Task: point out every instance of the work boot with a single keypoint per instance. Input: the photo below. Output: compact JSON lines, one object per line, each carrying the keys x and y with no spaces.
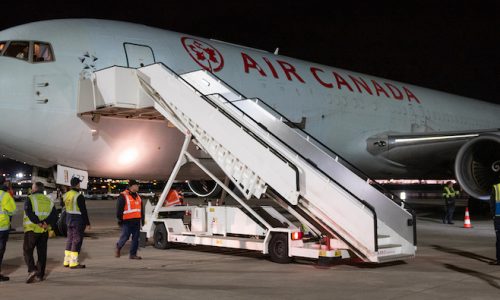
{"x":4,"y":278}
{"x":31,"y":277}
{"x":67,"y":258}
{"x":117,"y":252}
{"x":135,"y":257}
{"x":78,"y":266}
{"x":73,"y":263}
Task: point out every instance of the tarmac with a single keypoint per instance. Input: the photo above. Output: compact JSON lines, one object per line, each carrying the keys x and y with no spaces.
{"x":451,"y":262}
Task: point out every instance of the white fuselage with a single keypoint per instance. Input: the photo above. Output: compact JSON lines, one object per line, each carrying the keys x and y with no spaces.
{"x":341,"y":108}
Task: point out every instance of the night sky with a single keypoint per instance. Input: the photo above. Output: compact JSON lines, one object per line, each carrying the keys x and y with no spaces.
{"x":446,"y":45}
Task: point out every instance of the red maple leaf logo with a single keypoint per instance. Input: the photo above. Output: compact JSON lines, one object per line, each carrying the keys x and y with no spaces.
{"x":203,"y":54}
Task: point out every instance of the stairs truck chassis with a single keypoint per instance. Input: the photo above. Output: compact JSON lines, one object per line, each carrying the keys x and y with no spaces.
{"x":229,"y":226}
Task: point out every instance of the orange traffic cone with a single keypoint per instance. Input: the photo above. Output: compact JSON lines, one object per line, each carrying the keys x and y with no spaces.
{"x":467,"y":223}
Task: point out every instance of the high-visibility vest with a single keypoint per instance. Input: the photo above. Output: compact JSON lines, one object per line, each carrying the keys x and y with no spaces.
{"x":71,"y":203}
{"x":450,"y":192}
{"x":7,"y":209}
{"x":496,"y":188}
{"x":133,"y":207}
{"x":42,"y":207}
{"x":173,"y":199}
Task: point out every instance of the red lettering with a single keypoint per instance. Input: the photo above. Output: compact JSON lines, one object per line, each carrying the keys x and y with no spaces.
{"x":271,"y":67}
{"x":379,"y":88}
{"x":248,"y":63}
{"x":289,"y":70}
{"x":360,"y":82}
{"x":314,"y":71}
{"x":393,"y":89}
{"x":341,"y":81}
{"x":410,"y":95}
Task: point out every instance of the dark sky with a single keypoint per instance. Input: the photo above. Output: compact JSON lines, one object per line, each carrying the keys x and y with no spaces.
{"x":448,"y":45}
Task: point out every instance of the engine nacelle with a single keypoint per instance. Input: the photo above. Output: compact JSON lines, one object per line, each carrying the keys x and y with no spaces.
{"x":477,"y":165}
{"x":204,"y":188}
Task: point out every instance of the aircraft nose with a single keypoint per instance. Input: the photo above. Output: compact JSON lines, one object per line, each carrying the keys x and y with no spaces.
{"x":15,"y":87}
{"x":3,"y":81}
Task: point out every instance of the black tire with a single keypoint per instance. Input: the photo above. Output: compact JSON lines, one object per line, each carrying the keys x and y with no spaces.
{"x":62,"y":229}
{"x":160,"y":237}
{"x":278,"y":248}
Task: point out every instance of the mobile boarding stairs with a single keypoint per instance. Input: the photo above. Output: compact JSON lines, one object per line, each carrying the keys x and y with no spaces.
{"x":263,"y":155}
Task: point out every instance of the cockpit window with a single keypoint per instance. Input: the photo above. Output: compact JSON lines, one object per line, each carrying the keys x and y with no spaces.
{"x":30,"y":51}
{"x":18,"y":50}
{"x":42,"y":52}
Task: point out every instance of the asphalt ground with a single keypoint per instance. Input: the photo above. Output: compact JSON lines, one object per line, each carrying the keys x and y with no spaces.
{"x":451,"y":262}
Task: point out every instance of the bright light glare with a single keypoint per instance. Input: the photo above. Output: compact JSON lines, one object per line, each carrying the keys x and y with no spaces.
{"x":128,"y":156}
{"x":402,"y":196}
{"x":19,"y":175}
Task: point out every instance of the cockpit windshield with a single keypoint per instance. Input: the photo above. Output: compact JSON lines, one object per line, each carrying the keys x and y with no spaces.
{"x":42,"y":52}
{"x":18,"y":50}
{"x":30,"y":51}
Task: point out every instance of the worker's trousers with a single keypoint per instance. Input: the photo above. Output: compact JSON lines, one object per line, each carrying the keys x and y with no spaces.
{"x":496,"y":222}
{"x":133,"y":228}
{"x":449,"y":210}
{"x":75,"y":236}
{"x":4,"y":237}
{"x":38,"y":240}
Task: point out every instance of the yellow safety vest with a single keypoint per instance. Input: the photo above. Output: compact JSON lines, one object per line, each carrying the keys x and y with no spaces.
{"x":42,"y":207}
{"x":450,"y":192}
{"x":7,"y":209}
{"x":496,"y":188}
{"x":70,"y":202}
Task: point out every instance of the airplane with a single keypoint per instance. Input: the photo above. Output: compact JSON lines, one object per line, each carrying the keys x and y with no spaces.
{"x":386,"y":128}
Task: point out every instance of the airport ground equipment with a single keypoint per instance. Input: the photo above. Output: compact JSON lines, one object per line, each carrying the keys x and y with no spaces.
{"x":264,"y":155}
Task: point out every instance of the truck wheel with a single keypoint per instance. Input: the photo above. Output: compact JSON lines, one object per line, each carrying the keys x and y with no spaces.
{"x":278,"y":248}
{"x":160,"y":237}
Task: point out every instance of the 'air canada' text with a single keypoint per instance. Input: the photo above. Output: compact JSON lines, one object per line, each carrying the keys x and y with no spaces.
{"x":330,"y":79}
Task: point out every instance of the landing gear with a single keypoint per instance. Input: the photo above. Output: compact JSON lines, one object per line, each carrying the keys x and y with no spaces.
{"x":61,"y":227}
{"x":205,"y":188}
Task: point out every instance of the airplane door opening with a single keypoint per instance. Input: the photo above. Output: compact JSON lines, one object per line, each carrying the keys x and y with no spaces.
{"x":138,"y":55}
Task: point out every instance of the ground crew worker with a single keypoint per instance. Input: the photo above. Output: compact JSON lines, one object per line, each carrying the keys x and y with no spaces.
{"x":495,"y":210}
{"x":449,"y":195}
{"x":174,"y":198}
{"x":39,"y":215}
{"x":130,"y":213}
{"x":77,"y":220}
{"x":7,"y":210}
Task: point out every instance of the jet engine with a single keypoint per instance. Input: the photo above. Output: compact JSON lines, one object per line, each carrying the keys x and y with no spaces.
{"x":477,"y":165}
{"x":204,"y":188}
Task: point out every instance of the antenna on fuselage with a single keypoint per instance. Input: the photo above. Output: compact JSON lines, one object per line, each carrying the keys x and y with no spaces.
{"x":276,"y":51}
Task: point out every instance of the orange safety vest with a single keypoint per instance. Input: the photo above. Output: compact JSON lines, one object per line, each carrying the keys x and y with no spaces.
{"x":133,"y":207}
{"x":173,"y":199}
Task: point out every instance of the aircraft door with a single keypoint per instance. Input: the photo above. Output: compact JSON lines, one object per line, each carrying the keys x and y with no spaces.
{"x":138,"y":55}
